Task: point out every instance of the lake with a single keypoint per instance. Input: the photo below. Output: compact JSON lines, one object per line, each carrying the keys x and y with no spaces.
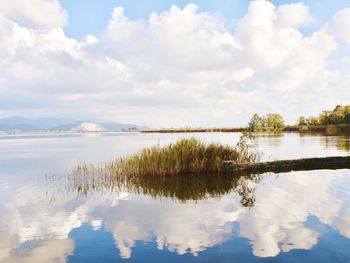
{"x":287,"y":217}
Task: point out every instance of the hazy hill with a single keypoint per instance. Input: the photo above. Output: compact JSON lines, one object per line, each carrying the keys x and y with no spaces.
{"x":25,"y":124}
{"x":60,"y":124}
{"x":88,"y":127}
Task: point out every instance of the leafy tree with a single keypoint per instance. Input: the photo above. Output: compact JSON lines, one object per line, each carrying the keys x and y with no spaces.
{"x":339,"y":115}
{"x":256,"y":123}
{"x":347,"y":118}
{"x":302,"y":121}
{"x":314,"y":121}
{"x":274,"y":122}
{"x":270,"y":122}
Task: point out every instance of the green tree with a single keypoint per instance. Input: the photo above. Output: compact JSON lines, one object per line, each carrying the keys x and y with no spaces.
{"x":302,"y":121}
{"x":339,"y":115}
{"x":347,"y":118}
{"x":274,"y":122}
{"x":270,"y":122}
{"x":314,"y":121}
{"x":256,"y":123}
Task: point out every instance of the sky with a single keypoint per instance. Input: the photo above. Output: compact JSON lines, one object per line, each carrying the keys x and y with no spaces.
{"x":167,"y":63}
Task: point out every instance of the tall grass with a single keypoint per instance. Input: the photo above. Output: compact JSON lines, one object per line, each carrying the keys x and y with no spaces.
{"x":186,"y":156}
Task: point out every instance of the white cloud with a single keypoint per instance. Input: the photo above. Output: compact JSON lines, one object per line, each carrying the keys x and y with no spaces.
{"x":35,"y":13}
{"x":181,"y":67}
{"x":341,"y":25}
{"x":294,"y":15}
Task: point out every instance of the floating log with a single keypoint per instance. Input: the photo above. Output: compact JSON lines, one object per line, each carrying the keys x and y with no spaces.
{"x":304,"y":164}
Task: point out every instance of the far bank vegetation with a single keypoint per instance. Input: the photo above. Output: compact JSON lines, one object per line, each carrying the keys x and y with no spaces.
{"x":336,"y":120}
{"x":268,"y":122}
{"x":339,"y":115}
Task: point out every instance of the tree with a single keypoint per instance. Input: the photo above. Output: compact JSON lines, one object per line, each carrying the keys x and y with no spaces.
{"x":274,"y":122}
{"x":302,"y":121}
{"x":270,"y":122}
{"x":347,"y":118}
{"x":314,"y":121}
{"x":339,"y":115}
{"x":256,"y":123}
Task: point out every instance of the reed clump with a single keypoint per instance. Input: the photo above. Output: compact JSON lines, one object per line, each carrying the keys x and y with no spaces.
{"x":183,"y":157}
{"x":186,"y":156}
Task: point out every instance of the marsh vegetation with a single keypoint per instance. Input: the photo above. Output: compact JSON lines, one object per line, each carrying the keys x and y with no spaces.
{"x":186,"y":156}
{"x":340,"y":115}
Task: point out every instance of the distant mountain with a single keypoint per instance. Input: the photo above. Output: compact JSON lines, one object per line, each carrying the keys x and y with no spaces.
{"x":24,"y":124}
{"x":59,"y":124}
{"x":66,"y":126}
{"x":88,"y":127}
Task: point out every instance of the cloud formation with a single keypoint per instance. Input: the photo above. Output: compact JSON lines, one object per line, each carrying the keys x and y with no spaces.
{"x":341,"y":25}
{"x":181,"y":67}
{"x":36,"y":13}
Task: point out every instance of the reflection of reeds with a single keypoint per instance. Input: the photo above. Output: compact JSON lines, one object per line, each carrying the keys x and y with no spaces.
{"x":183,"y":188}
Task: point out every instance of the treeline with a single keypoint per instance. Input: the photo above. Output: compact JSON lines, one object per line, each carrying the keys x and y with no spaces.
{"x":340,"y":115}
{"x":274,"y":122}
{"x":268,"y":122}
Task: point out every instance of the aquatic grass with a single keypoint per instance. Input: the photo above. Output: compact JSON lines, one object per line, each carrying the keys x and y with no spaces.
{"x":186,"y":156}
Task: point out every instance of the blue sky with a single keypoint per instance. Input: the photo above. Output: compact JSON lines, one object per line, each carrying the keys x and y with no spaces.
{"x":91,"y":16}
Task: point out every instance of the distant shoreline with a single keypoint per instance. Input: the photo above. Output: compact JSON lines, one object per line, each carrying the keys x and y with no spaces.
{"x":193,"y":130}
{"x":184,"y":130}
{"x":328,"y":129}
{"x":62,"y":133}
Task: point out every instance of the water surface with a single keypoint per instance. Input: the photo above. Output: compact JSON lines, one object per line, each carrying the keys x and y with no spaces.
{"x":290,"y":217}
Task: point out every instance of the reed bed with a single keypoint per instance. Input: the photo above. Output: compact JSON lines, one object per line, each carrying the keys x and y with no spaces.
{"x":186,"y":156}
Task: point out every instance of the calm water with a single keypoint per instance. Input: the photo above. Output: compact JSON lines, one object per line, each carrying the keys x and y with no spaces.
{"x":291,"y":217}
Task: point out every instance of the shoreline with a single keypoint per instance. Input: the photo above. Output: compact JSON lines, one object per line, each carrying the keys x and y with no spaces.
{"x":328,"y":129}
{"x":324,"y":129}
{"x":189,"y":130}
